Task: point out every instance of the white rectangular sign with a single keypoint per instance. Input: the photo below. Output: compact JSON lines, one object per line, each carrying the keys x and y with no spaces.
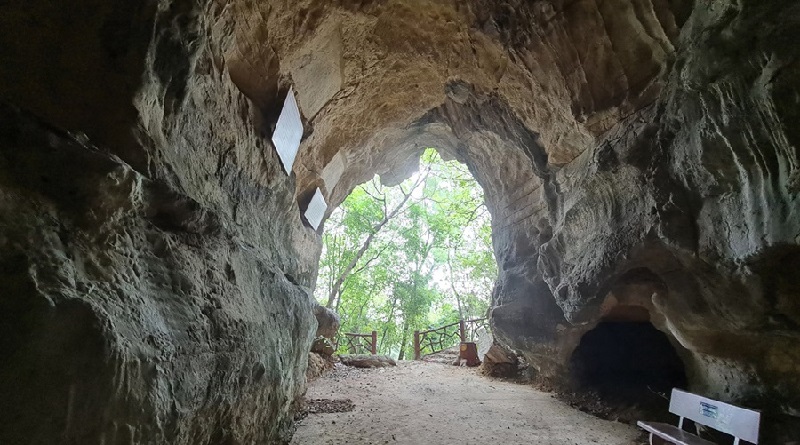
{"x":316,"y":209}
{"x":288,"y":132}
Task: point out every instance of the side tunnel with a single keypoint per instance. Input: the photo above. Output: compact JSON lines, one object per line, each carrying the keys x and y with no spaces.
{"x":626,"y":359}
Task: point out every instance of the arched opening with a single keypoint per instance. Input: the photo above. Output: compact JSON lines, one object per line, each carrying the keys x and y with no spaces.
{"x":414,"y":256}
{"x":625,"y":359}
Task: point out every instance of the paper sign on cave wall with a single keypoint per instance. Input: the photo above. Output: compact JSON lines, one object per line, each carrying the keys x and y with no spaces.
{"x":316,"y":209}
{"x":288,"y":132}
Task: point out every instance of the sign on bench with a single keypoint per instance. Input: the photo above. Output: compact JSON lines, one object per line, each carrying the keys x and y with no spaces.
{"x":741,"y":423}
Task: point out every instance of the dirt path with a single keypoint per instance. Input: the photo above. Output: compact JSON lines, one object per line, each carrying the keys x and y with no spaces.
{"x":429,"y":403}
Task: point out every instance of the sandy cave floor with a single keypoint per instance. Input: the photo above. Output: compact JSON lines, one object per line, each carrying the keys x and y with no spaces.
{"x":432,"y":403}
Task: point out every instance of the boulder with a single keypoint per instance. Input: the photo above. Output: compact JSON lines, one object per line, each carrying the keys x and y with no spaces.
{"x":322,"y":346}
{"x":485,"y":341}
{"x":367,"y":361}
{"x":499,"y":361}
{"x":327,"y":322}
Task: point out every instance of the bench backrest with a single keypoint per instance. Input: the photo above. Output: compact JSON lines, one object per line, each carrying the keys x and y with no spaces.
{"x":739,"y":422}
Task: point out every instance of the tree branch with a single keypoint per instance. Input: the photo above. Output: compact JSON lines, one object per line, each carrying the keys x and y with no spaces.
{"x":363,"y":249}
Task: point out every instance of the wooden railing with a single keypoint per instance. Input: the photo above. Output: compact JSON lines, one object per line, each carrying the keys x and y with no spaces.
{"x":472,"y":328}
{"x":441,"y":338}
{"x":359,"y":343}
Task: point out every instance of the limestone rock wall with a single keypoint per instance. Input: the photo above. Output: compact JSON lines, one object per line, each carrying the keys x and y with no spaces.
{"x":689,"y":208}
{"x":156,"y":275}
{"x":633,"y":153}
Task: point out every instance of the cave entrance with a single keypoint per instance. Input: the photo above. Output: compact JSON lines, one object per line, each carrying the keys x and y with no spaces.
{"x":408,"y":257}
{"x":627,"y":361}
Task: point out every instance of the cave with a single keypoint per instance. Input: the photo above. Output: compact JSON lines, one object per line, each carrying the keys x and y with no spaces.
{"x":156,"y":269}
{"x":627,"y":361}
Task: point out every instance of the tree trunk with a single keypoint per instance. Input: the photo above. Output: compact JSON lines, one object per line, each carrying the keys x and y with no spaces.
{"x":403,"y":341}
{"x":453,"y":287}
{"x":389,"y":319}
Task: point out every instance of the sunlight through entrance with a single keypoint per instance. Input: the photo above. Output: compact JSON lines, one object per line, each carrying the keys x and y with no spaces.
{"x":412,"y":257}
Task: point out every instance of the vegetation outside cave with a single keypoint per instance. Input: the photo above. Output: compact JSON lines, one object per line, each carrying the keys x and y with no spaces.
{"x":411,"y":257}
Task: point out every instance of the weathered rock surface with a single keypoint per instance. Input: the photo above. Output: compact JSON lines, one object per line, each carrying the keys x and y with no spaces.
{"x":318,"y":364}
{"x":156,"y":273}
{"x":322,"y":346}
{"x":149,"y":294}
{"x":498,"y":361}
{"x":327,"y":322}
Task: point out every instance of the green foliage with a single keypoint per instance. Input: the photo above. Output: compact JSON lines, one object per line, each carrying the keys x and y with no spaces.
{"x":428,"y":261}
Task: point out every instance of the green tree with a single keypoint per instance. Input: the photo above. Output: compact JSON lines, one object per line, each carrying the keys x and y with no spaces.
{"x":410,"y":257}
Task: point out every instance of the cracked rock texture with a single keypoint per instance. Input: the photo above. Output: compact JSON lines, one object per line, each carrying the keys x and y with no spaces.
{"x":156,"y":274}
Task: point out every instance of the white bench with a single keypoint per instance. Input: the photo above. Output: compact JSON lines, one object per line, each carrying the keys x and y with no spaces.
{"x":741,"y":423}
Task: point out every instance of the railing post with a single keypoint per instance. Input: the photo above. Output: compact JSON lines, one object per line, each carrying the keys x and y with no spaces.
{"x":374,"y":342}
{"x":416,"y":345}
{"x":462,"y":330}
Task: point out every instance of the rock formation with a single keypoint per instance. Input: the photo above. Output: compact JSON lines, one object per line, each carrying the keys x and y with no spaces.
{"x":498,"y":361}
{"x":367,"y":360}
{"x":318,"y":364}
{"x":156,"y":274}
{"x":327,"y":322}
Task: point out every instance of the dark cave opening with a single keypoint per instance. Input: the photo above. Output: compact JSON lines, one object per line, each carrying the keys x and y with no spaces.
{"x":627,"y":362}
